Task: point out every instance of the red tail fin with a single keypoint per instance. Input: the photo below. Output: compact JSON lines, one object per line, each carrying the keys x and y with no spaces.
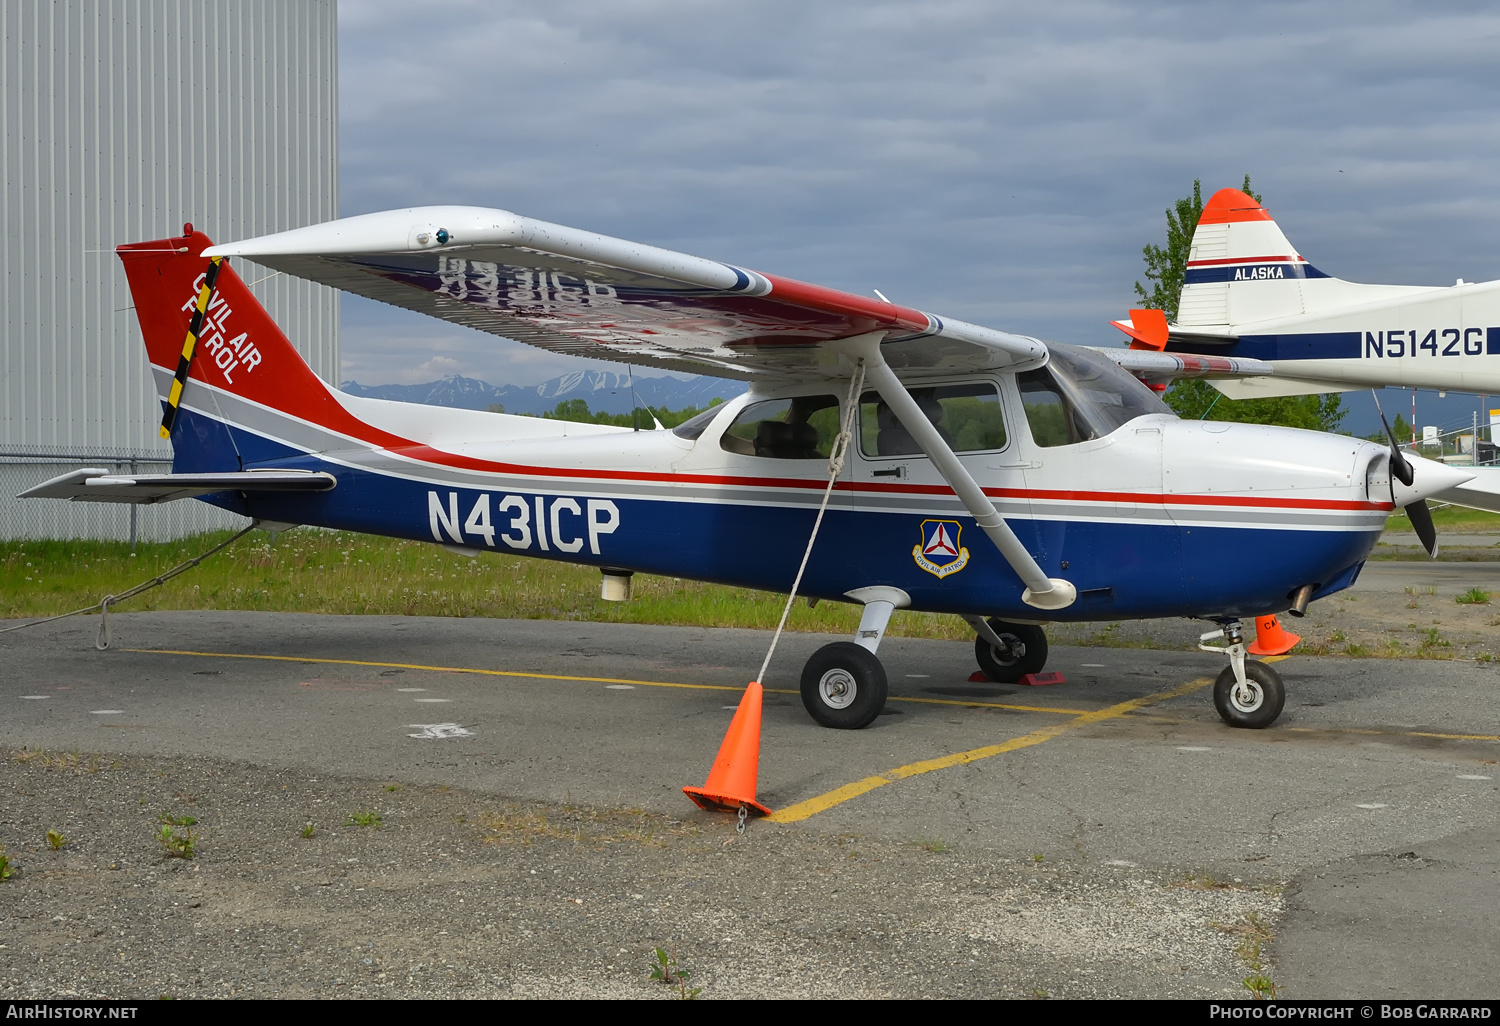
{"x":240,"y":349}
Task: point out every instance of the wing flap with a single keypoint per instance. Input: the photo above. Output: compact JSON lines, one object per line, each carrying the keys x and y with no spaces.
{"x":94,"y":485}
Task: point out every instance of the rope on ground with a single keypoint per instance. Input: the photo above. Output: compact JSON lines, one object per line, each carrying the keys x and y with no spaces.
{"x":101,"y":641}
{"x":835,"y":467}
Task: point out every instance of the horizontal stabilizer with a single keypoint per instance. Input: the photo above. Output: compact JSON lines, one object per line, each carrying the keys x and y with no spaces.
{"x":1267,"y":388}
{"x":93,"y":485}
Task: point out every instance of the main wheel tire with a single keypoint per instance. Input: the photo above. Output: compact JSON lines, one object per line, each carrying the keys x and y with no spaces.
{"x":1027,"y":654}
{"x":1261,"y":707}
{"x":843,"y":686}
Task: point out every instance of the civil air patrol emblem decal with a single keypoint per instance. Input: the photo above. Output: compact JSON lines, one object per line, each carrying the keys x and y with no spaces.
{"x":940,"y":554}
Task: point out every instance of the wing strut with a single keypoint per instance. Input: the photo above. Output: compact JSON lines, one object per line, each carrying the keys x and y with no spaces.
{"x":1042,"y":591}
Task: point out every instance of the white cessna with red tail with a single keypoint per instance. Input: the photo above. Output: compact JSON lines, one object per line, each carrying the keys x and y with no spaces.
{"x":1004,"y":479}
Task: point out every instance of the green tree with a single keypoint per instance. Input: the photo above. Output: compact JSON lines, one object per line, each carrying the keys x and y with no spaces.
{"x":577,"y":411}
{"x":1192,"y":398}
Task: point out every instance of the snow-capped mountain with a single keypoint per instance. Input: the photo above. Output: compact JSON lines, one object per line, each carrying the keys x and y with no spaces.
{"x":604,"y":391}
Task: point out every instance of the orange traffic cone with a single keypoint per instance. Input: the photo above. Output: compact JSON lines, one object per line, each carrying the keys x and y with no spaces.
{"x":1271,"y":638}
{"x":731,"y":783}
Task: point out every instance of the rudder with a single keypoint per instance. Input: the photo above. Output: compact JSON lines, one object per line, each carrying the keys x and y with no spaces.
{"x":238,"y":349}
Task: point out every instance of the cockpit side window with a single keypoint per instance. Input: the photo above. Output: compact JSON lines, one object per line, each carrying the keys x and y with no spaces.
{"x":802,"y":428}
{"x":1081,"y":395}
{"x":1052,"y":419}
{"x":967,"y":416}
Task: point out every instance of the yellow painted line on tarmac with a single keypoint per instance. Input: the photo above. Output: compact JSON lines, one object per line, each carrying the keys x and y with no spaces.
{"x":1395,"y":733}
{"x":839,"y":795}
{"x":587,"y":680}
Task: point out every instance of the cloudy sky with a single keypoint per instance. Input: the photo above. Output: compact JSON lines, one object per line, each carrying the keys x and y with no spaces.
{"x":998,"y":162}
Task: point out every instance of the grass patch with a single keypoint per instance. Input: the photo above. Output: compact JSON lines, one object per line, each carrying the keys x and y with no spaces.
{"x":365,"y":818}
{"x":312,"y":571}
{"x":1450,"y":518}
{"x":1473,"y":597}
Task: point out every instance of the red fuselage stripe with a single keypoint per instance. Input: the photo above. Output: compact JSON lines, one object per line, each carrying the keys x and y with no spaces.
{"x":1245,"y":260}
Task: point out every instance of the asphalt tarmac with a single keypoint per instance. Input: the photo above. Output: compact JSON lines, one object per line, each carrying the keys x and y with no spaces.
{"x":1363,"y":825}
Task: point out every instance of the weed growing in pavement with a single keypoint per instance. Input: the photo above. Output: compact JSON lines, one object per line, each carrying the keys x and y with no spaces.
{"x":393,"y":787}
{"x":4,"y":864}
{"x":669,"y":972}
{"x":168,"y":819}
{"x":1203,"y":880}
{"x":1473,"y":597}
{"x":1038,"y":857}
{"x":1432,"y":639}
{"x":937,"y":847}
{"x":177,"y":845}
{"x":1253,"y":936}
{"x":308,"y":829}
{"x":364,"y":818}
{"x":55,"y":840}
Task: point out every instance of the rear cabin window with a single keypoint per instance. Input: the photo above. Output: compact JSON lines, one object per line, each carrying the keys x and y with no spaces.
{"x":967,"y":416}
{"x":697,"y":424}
{"x":786,"y":429}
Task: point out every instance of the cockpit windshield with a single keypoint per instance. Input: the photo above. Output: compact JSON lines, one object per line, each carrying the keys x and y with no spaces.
{"x":1082,"y":395}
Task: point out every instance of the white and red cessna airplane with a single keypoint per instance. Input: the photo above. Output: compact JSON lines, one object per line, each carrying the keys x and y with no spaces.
{"x":1007,"y":480}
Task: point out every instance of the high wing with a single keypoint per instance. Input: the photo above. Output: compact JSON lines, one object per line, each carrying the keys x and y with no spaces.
{"x":94,"y":485}
{"x":576,"y":292}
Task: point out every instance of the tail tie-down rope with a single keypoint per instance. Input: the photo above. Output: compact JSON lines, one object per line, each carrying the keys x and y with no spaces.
{"x":101,"y":641}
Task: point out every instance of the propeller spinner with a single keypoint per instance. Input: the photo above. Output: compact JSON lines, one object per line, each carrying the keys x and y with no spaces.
{"x":1402,"y":470}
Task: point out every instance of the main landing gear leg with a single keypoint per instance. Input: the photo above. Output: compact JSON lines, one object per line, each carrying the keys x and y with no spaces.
{"x":1248,"y":693}
{"x":1006,"y":652}
{"x":843,"y":684}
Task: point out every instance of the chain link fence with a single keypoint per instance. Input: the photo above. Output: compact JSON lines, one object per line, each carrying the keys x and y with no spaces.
{"x":28,"y":519}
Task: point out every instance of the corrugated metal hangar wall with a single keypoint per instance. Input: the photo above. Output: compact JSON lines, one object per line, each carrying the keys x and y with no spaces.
{"x":123,"y":119}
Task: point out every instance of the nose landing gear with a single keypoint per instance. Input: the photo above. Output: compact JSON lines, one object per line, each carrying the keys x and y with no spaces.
{"x":843,"y":684}
{"x":1248,"y":693}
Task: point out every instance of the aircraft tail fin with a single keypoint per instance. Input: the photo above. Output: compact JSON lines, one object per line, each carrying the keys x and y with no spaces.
{"x":1241,"y":268}
{"x":207,"y":335}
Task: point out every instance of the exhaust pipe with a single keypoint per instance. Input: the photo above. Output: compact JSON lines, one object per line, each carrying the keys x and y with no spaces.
{"x":1300,"y":598}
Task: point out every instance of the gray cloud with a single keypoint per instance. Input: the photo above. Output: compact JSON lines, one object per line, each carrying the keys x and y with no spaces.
{"x":998,"y":162}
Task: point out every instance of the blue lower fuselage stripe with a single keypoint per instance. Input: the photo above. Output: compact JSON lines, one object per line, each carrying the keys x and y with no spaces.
{"x":1122,"y":569}
{"x":1317,"y":345}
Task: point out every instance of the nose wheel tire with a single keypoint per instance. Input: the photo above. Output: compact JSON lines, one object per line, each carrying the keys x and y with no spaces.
{"x":1255,"y":705}
{"x":1026,"y":652}
{"x":843,"y":686}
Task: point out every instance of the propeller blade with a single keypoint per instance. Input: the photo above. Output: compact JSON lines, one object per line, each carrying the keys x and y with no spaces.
{"x":1399,"y":467}
{"x":1421,"y":522}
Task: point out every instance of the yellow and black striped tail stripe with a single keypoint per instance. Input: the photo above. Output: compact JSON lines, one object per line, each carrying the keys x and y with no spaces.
{"x":169,"y":417}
